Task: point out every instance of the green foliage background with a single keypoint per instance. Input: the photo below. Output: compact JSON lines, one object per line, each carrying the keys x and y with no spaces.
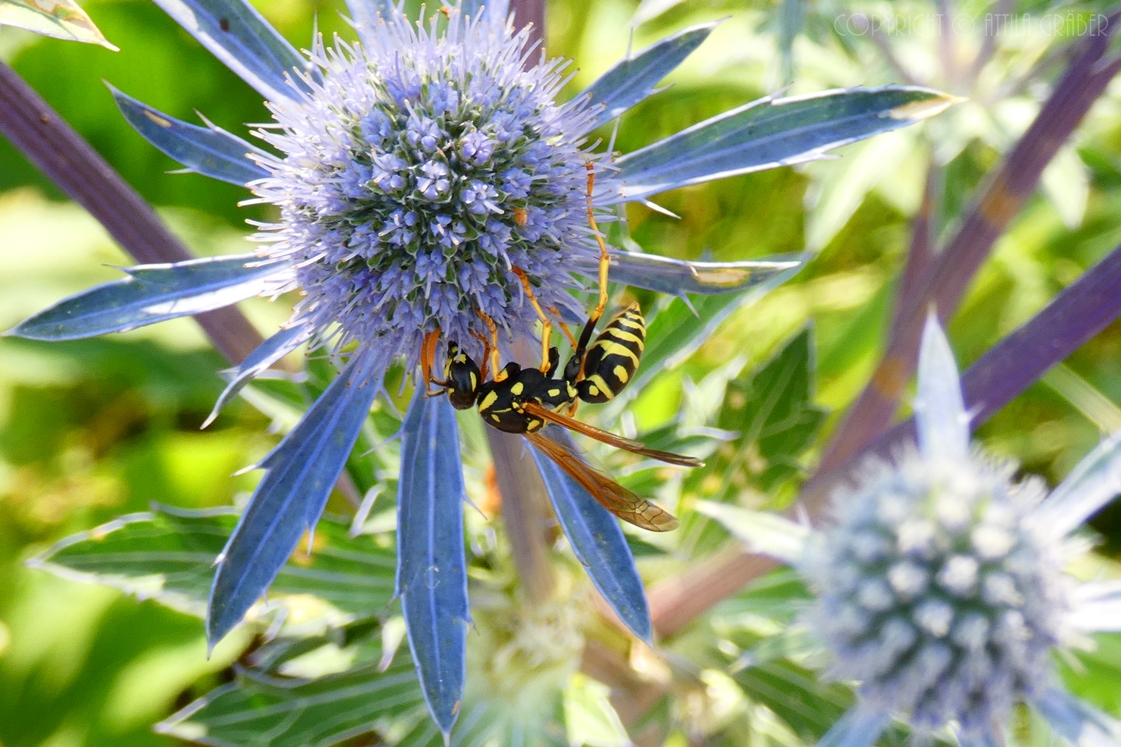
{"x":95,"y":429}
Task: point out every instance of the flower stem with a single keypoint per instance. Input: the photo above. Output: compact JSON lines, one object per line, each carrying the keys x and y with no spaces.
{"x":525,"y":504}
{"x":525,"y":513}
{"x":71,"y":163}
{"x":528,"y":12}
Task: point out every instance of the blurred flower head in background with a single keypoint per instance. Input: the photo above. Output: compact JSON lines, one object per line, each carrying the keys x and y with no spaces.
{"x":941,"y":586}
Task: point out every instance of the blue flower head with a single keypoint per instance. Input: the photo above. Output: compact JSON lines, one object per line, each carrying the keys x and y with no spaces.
{"x":941,"y":586}
{"x":418,"y":170}
{"x":428,"y":178}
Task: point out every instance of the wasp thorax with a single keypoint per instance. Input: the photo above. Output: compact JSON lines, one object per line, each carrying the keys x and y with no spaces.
{"x":937,"y":594}
{"x":461,"y":378}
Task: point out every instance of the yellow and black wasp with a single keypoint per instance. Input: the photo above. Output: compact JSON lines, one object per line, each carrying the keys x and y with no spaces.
{"x":525,"y":400}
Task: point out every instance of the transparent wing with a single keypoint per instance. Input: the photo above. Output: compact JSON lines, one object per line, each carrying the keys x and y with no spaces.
{"x":610,"y":494}
{"x":544,"y":413}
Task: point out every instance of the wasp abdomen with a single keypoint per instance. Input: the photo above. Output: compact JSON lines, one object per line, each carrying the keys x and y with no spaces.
{"x":612,"y":359}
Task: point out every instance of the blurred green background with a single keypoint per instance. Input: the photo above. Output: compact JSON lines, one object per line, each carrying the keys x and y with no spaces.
{"x":95,"y":429}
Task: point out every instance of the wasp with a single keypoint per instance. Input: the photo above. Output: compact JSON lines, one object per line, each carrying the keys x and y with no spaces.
{"x":525,"y":400}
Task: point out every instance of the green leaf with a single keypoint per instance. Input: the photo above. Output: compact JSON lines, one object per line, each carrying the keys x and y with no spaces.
{"x":680,"y":327}
{"x":777,"y":596}
{"x":772,"y":410}
{"x":762,"y":531}
{"x":279,"y":712}
{"x":61,"y":19}
{"x":479,"y":725}
{"x":589,"y":717}
{"x":791,"y":19}
{"x":169,"y":554}
{"x":809,"y":706}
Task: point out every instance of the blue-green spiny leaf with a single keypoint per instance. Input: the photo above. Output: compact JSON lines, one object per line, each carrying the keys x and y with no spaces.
{"x":150,"y":294}
{"x":209,"y":150}
{"x":774,"y":132}
{"x":431,"y":567}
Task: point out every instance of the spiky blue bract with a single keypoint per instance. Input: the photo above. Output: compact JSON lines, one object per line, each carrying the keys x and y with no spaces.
{"x":263,"y":356}
{"x":1095,"y":481}
{"x":1077,"y":721}
{"x":941,"y":422}
{"x":596,"y":540}
{"x":299,"y":475}
{"x":207,"y":150}
{"x":425,"y":170}
{"x":859,"y":727}
{"x":235,"y":33}
{"x":678,"y":277}
{"x":770,"y":132}
{"x":155,"y":293}
{"x":431,"y":568}
{"x":633,"y":79}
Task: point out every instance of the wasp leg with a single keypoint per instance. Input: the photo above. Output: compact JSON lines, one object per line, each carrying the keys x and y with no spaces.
{"x":492,"y":352}
{"x":546,"y":325}
{"x":564,"y":327}
{"x":604,"y":257}
{"x":427,"y":358}
{"x":486,"y":353}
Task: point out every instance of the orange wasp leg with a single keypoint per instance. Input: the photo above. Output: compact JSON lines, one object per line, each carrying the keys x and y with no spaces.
{"x":546,"y":325}
{"x":563,"y":326}
{"x":427,"y":358}
{"x":493,"y":346}
{"x":604,"y":257}
{"x":486,"y":353}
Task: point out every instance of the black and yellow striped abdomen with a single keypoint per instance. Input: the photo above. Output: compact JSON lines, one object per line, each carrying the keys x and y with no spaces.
{"x":612,"y":359}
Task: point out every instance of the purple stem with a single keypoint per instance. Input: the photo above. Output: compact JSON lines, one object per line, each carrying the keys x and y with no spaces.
{"x":946,"y":278}
{"x":528,"y":12}
{"x":1081,"y":311}
{"x":71,"y":163}
{"x":526,"y":512}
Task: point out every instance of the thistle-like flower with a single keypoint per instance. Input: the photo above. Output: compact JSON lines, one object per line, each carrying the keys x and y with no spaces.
{"x":940,"y":584}
{"x":428,"y":179}
{"x":419,"y":174}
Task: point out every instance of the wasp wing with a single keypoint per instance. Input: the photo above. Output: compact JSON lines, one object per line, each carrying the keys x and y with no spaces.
{"x":635,"y":447}
{"x":610,"y":494}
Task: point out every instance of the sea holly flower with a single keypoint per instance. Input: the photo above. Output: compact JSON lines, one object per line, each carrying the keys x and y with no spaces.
{"x":428,"y":179}
{"x":940,"y":584}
